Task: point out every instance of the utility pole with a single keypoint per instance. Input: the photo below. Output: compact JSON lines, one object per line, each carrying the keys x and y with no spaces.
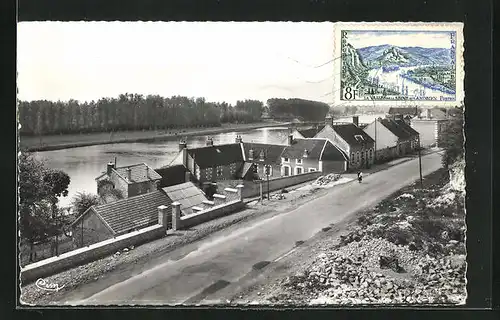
{"x":375,"y":145}
{"x":268,"y":169}
{"x":261,"y":194}
{"x":420,"y":163}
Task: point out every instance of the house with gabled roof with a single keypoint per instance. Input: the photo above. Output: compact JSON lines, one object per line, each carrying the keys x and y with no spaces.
{"x":310,"y":155}
{"x":260,"y":155}
{"x":129,"y":180}
{"x":211,"y":163}
{"x":353,"y":141}
{"x":106,"y":221}
{"x":393,"y":138}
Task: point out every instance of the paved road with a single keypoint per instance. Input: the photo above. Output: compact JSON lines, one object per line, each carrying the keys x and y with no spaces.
{"x":222,"y":261}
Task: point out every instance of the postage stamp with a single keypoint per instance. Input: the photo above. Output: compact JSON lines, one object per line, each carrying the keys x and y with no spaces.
{"x":399,"y":63}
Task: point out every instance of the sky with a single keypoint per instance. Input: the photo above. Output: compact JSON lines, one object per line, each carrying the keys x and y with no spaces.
{"x":224,"y":61}
{"x":362,"y":39}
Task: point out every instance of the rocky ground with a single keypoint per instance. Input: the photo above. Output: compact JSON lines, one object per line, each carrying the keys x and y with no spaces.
{"x":409,"y":249}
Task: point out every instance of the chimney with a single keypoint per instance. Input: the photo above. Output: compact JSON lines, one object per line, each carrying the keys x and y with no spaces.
{"x":210,"y":142}
{"x":238,"y":139}
{"x":262,"y":156}
{"x":290,"y":139}
{"x":355,"y":120}
{"x":129,"y":174}
{"x":110,"y":166}
{"x":250,"y":154}
{"x":182,"y":145}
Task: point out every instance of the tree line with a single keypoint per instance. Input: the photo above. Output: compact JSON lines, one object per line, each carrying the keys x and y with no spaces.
{"x":131,"y":112}
{"x":297,"y":108}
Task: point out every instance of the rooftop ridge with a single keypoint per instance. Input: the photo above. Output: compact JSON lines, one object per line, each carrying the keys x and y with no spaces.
{"x":125,"y":199}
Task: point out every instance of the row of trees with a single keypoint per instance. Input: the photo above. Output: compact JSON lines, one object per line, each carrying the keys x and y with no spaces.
{"x":297,"y":108}
{"x":131,"y":112}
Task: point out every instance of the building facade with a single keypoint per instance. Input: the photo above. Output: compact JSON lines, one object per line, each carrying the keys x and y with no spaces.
{"x":128,"y":181}
{"x":310,"y":155}
{"x":260,"y":155}
{"x":385,"y":140}
{"x":353,"y":141}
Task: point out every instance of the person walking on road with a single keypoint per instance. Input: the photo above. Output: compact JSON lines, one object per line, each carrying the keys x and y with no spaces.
{"x":360,"y":176}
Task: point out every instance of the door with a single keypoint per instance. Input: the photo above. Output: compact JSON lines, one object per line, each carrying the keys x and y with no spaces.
{"x":286,"y":171}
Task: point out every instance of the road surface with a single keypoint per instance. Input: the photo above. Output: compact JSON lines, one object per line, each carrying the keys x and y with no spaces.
{"x":222,"y":261}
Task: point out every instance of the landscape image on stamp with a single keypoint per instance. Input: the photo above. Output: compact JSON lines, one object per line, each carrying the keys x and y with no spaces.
{"x":398,"y":65}
{"x":210,"y":163}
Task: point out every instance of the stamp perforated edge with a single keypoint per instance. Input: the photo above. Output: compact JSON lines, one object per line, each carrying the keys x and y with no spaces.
{"x":407,"y":26}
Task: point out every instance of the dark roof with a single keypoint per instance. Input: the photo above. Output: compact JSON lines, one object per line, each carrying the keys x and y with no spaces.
{"x":139,"y":173}
{"x":396,"y":129}
{"x":332,"y":153}
{"x":297,"y":149}
{"x":403,"y":110}
{"x":349,"y":131}
{"x":218,"y":155}
{"x":406,"y":127}
{"x":272,"y":152}
{"x":131,"y":213}
{"x":311,"y":133}
{"x":172,"y":175}
{"x":187,"y":194}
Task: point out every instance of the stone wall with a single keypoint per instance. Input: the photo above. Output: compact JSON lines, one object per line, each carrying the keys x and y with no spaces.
{"x":252,"y":188}
{"x":223,"y":209}
{"x":93,"y":252}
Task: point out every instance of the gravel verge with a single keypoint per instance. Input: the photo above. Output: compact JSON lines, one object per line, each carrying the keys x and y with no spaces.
{"x":409,"y":249}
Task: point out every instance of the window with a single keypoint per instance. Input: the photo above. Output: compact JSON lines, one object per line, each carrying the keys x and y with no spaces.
{"x":286,"y":171}
{"x":358,"y":137}
{"x":312,"y":169}
{"x":357,"y":156}
{"x":352,"y":157}
{"x":219,"y":171}
{"x":298,"y":170}
{"x":298,"y":161}
{"x":287,"y":160}
{"x":371,"y":153}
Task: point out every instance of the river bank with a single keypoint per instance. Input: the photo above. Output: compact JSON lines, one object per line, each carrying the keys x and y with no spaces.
{"x":57,"y":142}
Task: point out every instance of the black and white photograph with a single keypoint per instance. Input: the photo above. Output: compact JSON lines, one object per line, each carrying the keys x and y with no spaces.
{"x":241,"y":163}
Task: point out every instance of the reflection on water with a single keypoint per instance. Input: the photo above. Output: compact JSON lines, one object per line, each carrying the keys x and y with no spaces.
{"x":84,"y":164}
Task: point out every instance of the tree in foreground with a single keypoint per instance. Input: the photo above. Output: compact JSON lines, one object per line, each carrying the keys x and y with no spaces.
{"x":82,"y":201}
{"x":39,"y":189}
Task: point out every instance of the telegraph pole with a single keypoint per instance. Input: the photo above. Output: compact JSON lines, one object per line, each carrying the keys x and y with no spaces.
{"x":268,"y":169}
{"x":420,"y":163}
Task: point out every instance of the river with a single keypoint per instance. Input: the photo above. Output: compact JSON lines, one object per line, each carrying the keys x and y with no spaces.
{"x":393,"y":79}
{"x":84,"y":164}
